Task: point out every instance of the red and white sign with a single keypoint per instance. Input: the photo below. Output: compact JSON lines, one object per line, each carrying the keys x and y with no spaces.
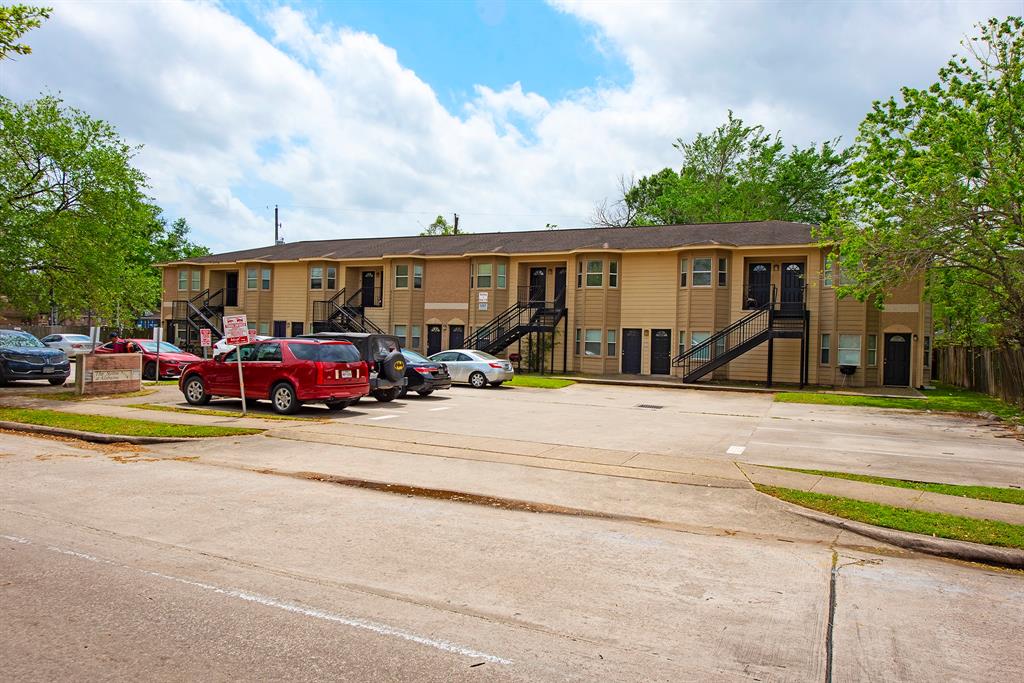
{"x":236,"y":329}
{"x":205,"y":338}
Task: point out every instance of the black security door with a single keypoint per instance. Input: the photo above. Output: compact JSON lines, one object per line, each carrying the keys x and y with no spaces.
{"x":538,"y":283}
{"x":297,"y":329}
{"x":792,"y":295}
{"x":759,"y":284}
{"x":368,"y":283}
{"x":231,"y":289}
{"x":661,"y":351}
{"x":632,"y":348}
{"x":897,"y":360}
{"x":433,"y":339}
{"x":456,"y":336}
{"x":280,"y":328}
{"x":560,"y":287}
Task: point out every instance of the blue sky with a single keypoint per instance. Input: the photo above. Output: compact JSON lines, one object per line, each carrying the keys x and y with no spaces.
{"x":370,"y":118}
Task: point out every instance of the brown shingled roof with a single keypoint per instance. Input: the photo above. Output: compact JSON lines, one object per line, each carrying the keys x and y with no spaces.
{"x":653,"y":237}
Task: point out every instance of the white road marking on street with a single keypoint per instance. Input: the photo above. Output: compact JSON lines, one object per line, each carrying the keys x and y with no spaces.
{"x":434,"y":410}
{"x":380,"y":629}
{"x":735,"y":450}
{"x":383,"y":417}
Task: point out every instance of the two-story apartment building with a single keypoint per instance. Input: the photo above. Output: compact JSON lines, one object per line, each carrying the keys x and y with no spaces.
{"x":732,"y":301}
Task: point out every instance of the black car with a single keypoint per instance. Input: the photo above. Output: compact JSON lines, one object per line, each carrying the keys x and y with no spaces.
{"x":22,"y":356}
{"x":382,"y":353}
{"x":424,"y":376}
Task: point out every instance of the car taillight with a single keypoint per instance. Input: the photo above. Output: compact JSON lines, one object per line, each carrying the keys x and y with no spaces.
{"x":319,"y":372}
{"x":497,"y":365}
{"x":422,"y":370}
{"x":78,"y":346}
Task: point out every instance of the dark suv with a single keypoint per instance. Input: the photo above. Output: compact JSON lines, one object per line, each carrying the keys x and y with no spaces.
{"x":383,"y":353}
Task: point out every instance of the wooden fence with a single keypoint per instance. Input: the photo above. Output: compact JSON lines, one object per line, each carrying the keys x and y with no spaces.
{"x":997,"y":372}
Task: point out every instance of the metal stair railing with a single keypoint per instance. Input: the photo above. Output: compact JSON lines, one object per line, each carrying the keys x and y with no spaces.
{"x":724,"y":343}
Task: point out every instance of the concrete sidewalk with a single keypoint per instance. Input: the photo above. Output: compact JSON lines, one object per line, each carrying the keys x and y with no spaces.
{"x":888,"y":495}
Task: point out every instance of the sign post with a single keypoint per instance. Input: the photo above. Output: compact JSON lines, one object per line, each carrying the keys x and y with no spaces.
{"x":236,"y":333}
{"x":205,"y":340}
{"x":158,"y":334}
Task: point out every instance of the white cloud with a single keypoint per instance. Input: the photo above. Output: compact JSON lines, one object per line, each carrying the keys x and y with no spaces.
{"x":328,"y":122}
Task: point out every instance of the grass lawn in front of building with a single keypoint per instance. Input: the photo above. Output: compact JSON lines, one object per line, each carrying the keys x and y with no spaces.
{"x":538,"y":382}
{"x":102,"y":424}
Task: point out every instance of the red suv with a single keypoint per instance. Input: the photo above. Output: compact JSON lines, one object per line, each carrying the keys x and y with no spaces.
{"x":287,"y":372}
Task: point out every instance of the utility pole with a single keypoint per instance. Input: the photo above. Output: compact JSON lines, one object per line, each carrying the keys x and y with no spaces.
{"x":277,"y":227}
{"x":455,"y":226}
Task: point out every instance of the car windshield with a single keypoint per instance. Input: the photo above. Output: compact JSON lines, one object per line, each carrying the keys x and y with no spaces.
{"x":414,"y":357}
{"x":485,"y":355}
{"x":165,"y":347}
{"x":21,"y":340}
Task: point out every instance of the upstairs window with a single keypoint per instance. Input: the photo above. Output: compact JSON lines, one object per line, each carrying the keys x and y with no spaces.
{"x":182,"y":280}
{"x":927,"y":351}
{"x":684,"y":271}
{"x":251,"y":279}
{"x":483,"y":275}
{"x":595,"y":273}
{"x":501,"y":276}
{"x":827,"y":275}
{"x":723,"y":272}
{"x":265,"y":283}
{"x":613,"y":275}
{"x":197,"y":279}
{"x":417,"y":276}
{"x":579,"y":274}
{"x":316,"y":277}
{"x":401,"y":277}
{"x":701,"y":272}
{"x":332,"y":277}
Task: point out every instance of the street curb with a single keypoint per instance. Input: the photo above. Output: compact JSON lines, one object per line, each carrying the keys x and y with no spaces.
{"x":90,"y":436}
{"x":665,"y":385}
{"x":943,"y":547}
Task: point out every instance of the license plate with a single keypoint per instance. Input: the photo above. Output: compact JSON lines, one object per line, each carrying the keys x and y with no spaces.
{"x":345,"y":374}
{"x":47,"y":368}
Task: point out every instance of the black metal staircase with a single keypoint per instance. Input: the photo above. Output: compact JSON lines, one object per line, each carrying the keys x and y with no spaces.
{"x":765,"y":323}
{"x":347,"y":316}
{"x":524,"y":317}
{"x":202,"y":311}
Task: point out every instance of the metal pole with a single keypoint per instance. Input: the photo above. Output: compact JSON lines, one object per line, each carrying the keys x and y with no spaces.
{"x":241,"y":382}
{"x":771,"y":354}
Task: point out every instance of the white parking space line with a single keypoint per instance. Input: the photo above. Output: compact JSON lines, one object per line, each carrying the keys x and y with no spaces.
{"x":383,"y":417}
{"x":353,"y":622}
{"x":434,"y":410}
{"x":735,"y":450}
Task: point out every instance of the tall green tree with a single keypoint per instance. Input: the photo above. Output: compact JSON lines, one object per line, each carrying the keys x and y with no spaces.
{"x":76,"y":228}
{"x":171,"y":242}
{"x":736,"y":173}
{"x":938,"y":186}
{"x":16,"y":21}
{"x":441,"y":227}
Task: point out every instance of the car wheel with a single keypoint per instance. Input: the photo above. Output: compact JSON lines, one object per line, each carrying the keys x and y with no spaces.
{"x":195,"y":391}
{"x":498,"y":383}
{"x":425,"y":392}
{"x":283,"y":398}
{"x":149,"y":372}
{"x":477,"y":380}
{"x":58,"y":381}
{"x":387,"y":395}
{"x":338,"y":405}
{"x":403,"y":392}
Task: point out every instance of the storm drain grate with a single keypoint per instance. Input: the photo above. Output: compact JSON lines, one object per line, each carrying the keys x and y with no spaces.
{"x":649,"y":406}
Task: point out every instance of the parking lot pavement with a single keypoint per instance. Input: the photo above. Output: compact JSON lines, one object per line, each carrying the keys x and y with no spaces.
{"x":169,"y":569}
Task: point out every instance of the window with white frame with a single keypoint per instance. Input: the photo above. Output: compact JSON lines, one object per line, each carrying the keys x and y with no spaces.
{"x":400,"y":333}
{"x":316,"y":277}
{"x":264,"y":331}
{"x":592,"y":343}
{"x":502,"y":276}
{"x":827,"y":274}
{"x":265,"y":279}
{"x":415,"y":338}
{"x":251,"y":279}
{"x":182,"y":280}
{"x":579,"y":334}
{"x":682,"y":342}
{"x":595,"y":273}
{"x":723,"y":272}
{"x":613,"y":274}
{"x":483,"y":275}
{"x":197,"y":279}
{"x":401,"y":276}
{"x":701,"y":272}
{"x":826,"y":349}
{"x":579,"y":274}
{"x":684,"y":271}
{"x":332,"y":277}
{"x":417,"y":276}
{"x":699,"y":338}
{"x":612,"y":339}
{"x":872,"y":350}
{"x":849,"y":349}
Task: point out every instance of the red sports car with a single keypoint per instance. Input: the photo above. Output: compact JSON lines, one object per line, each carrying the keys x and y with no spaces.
{"x":287,"y":372}
{"x":172,"y":359}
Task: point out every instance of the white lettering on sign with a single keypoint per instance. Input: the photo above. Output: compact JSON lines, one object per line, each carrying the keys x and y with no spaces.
{"x":205,"y":338}
{"x":112,"y":375}
{"x":482,"y":296}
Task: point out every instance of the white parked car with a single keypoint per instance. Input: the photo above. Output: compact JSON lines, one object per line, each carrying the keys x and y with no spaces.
{"x":476,"y":368}
{"x":71,"y":344}
{"x":222,"y":346}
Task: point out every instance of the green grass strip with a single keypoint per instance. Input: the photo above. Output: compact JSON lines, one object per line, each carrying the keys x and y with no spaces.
{"x":993,"y":493}
{"x":74,"y":396}
{"x":943,"y":398}
{"x":538,"y":382}
{"x":213,"y":412}
{"x":101,"y":424}
{"x":986,"y":531}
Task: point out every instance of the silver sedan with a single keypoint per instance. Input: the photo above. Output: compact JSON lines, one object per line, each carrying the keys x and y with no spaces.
{"x":71,"y":344}
{"x":476,"y":368}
